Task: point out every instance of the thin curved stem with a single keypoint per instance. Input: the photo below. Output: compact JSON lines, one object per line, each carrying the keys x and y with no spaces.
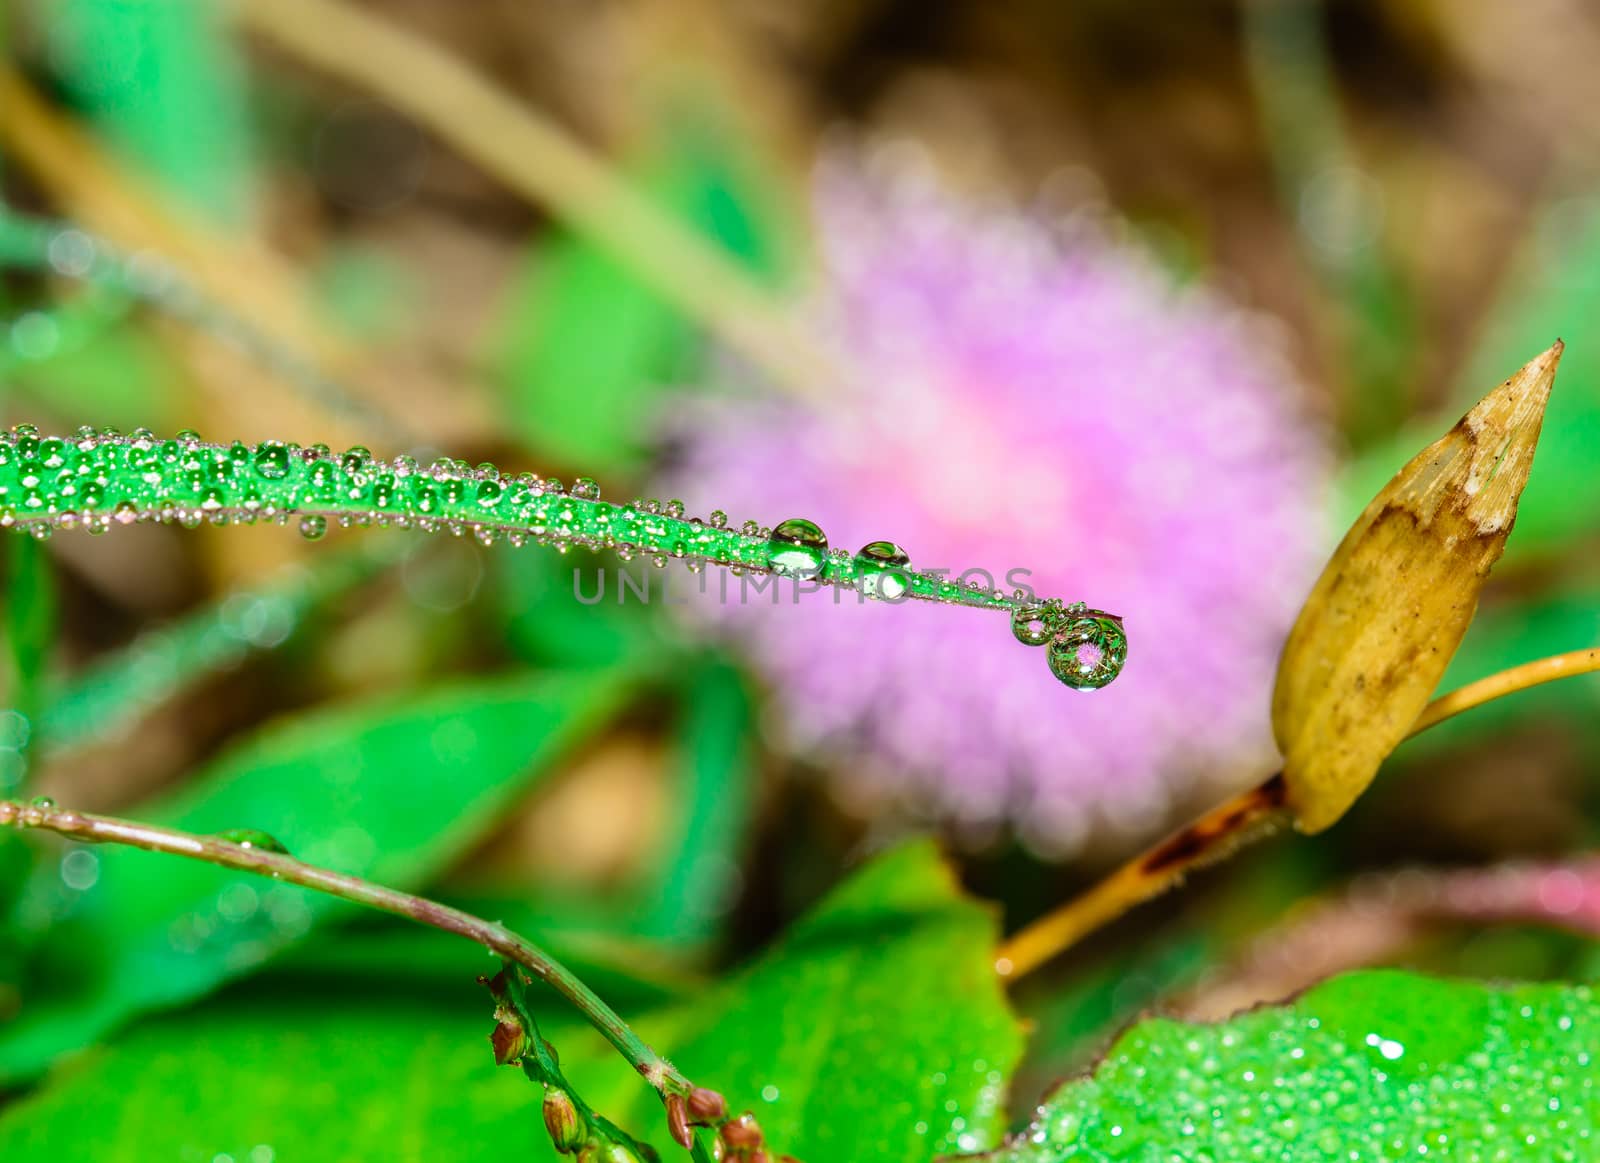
{"x":1225,"y":829}
{"x":546,"y":165}
{"x":1220,"y":832}
{"x":496,"y":938}
{"x":1506,"y":682}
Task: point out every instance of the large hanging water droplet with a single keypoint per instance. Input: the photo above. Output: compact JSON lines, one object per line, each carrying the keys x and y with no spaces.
{"x":253,"y":838}
{"x":799,"y":547}
{"x":313,"y":527}
{"x":882,"y":566}
{"x":272,"y":460}
{"x":1088,"y":650}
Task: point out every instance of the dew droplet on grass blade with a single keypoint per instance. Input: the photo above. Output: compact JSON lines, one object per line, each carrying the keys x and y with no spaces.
{"x":799,"y":547}
{"x":272,"y":460}
{"x":882,"y":566}
{"x":1393,"y":603}
{"x":254,"y":838}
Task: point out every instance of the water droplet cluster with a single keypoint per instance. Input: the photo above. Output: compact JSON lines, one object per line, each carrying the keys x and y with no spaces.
{"x":1086,"y":648}
{"x":97,"y":479}
{"x":1376,"y":1065}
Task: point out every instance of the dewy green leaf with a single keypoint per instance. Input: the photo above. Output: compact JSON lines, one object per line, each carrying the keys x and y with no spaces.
{"x":390,"y":791}
{"x":885,"y":990}
{"x":1374,"y":1065}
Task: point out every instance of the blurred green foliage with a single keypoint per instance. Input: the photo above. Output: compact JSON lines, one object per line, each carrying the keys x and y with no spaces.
{"x":29,"y":624}
{"x":165,"y":87}
{"x":586,"y":350}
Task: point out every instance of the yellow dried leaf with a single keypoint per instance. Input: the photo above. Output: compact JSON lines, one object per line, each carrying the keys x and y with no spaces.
{"x":1391,"y":607}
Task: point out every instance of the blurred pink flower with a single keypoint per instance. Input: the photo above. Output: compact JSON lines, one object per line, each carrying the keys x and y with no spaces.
{"x":1029,"y":394}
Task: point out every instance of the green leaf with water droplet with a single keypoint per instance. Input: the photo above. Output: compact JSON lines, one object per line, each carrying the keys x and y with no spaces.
{"x":390,"y":790}
{"x":875,"y":1030}
{"x":1373,"y":1065}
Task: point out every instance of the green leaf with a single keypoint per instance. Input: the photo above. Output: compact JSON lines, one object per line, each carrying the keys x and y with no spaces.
{"x":874,"y":1030}
{"x":391,"y":791}
{"x":1374,"y":1065}
{"x":264,"y":1076}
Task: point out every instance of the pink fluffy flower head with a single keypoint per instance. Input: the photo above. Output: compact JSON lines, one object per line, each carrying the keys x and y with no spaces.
{"x":1029,"y":395}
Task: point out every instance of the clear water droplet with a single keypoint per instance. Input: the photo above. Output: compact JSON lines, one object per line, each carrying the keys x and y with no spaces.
{"x":253,"y":838}
{"x":799,"y":547}
{"x":1032,"y":625}
{"x":272,"y":460}
{"x":1088,"y":651}
{"x":585,"y":489}
{"x":883,"y":566}
{"x":313,"y":527}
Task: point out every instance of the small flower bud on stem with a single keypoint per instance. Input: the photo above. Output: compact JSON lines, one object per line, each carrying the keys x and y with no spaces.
{"x":562,"y":1121}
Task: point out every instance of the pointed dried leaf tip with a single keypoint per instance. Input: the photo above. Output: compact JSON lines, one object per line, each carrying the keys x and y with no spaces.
{"x":1391,"y":607}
